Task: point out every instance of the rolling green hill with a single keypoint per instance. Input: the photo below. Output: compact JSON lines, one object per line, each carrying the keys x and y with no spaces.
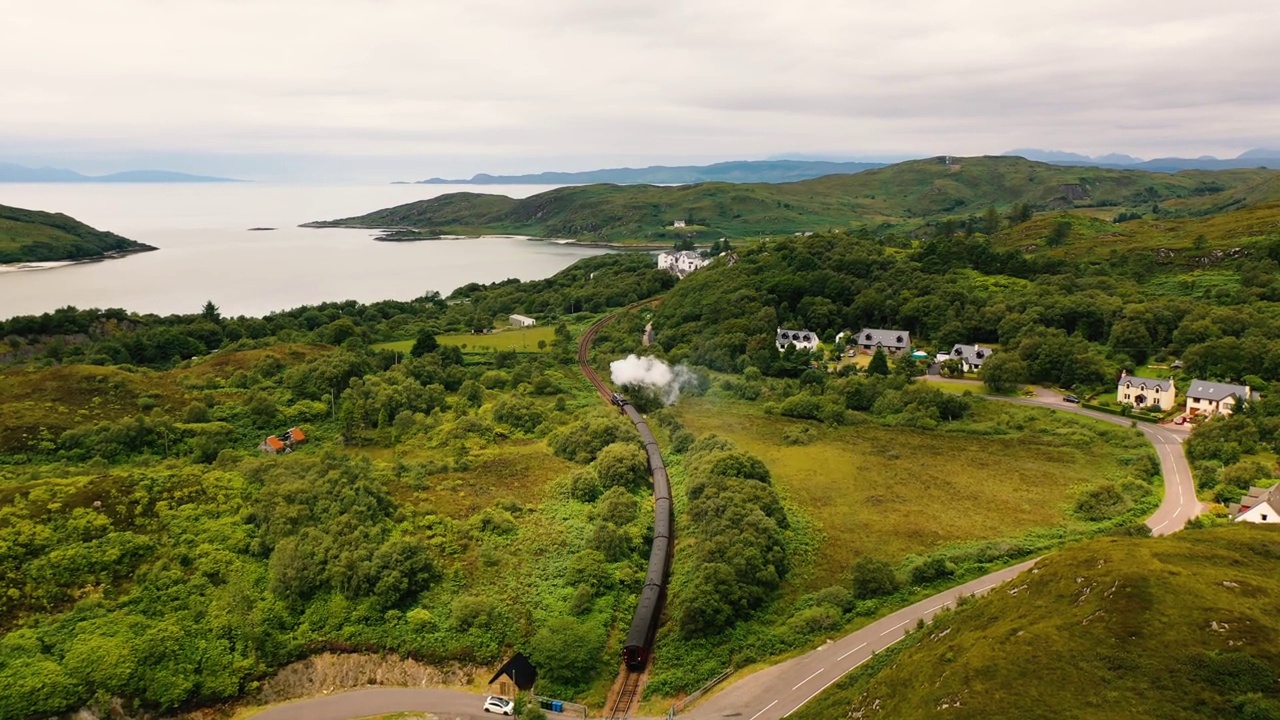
{"x":35,"y":236}
{"x":907,"y":195}
{"x":1184,"y":626}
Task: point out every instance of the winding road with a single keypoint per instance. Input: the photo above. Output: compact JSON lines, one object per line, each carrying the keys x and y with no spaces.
{"x":777,"y":691}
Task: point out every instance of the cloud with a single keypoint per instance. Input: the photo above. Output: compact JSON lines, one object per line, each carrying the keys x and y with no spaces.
{"x":495,"y":85}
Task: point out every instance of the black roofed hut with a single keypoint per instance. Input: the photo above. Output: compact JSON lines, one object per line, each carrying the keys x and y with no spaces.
{"x":518,"y":674}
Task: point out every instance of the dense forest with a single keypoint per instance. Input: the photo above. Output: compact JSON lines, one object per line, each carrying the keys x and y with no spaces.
{"x":34,"y":236}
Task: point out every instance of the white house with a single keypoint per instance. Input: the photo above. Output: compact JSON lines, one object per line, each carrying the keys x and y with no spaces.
{"x":971,"y":357}
{"x":1213,"y":398}
{"x":894,"y":342}
{"x":1145,"y":392}
{"x":1259,"y":506}
{"x":681,"y":263}
{"x":678,"y":224}
{"x":521,"y":321}
{"x":802,"y":339}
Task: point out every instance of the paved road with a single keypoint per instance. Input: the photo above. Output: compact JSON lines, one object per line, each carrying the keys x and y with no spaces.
{"x":444,"y":704}
{"x":778,"y":691}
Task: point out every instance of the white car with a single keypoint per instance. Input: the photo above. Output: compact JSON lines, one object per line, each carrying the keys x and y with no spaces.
{"x":502,"y":706}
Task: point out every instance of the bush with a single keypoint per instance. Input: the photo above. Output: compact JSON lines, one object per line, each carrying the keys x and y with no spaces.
{"x":933,"y":569}
{"x":622,"y":464}
{"x":873,"y":578}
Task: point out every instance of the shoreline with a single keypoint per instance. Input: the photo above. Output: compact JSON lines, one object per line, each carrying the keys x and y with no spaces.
{"x":387,"y":236}
{"x":54,"y":264}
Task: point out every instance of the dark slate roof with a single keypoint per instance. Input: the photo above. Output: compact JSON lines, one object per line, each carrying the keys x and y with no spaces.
{"x":885,"y":338}
{"x":973,"y":354}
{"x":1205,"y":390}
{"x":520,"y":670}
{"x":1163,"y":385}
{"x":785,"y":336}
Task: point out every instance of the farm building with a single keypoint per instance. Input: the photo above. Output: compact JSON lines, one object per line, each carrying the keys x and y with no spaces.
{"x":521,"y":321}
{"x":517,"y":675}
{"x":283,"y":443}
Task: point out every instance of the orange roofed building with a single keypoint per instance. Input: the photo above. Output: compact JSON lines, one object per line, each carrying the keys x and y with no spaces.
{"x":285,"y":443}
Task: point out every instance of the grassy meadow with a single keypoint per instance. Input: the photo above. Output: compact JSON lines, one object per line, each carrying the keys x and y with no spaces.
{"x":896,"y":492}
{"x":519,"y":339}
{"x":1182,"y":626}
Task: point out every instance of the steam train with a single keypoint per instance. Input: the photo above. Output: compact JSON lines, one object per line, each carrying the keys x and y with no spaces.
{"x":644,"y":625}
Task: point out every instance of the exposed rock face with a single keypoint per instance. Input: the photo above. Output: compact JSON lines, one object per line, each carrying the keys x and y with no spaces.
{"x":1075,"y":192}
{"x":330,"y":672}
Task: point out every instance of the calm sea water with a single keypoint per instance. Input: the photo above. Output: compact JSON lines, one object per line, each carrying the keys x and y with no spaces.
{"x":207,"y":251}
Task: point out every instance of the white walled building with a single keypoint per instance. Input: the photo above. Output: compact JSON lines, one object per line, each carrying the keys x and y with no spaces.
{"x":1145,"y":392}
{"x":802,"y":339}
{"x":1259,"y":506}
{"x":971,"y":357}
{"x":1214,"y":398}
{"x":521,"y":321}
{"x":681,"y":263}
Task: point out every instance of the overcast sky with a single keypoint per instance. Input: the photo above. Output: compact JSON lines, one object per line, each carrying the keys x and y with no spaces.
{"x":405,"y":89}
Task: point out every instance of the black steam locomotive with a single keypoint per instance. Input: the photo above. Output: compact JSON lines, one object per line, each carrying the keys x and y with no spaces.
{"x":635,"y":653}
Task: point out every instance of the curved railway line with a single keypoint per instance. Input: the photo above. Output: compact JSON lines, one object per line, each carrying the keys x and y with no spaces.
{"x":638,"y":646}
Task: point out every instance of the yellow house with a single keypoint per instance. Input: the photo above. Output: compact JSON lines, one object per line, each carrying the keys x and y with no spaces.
{"x":1145,"y":392}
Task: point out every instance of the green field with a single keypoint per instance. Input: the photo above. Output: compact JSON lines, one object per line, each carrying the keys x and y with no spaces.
{"x":1182,"y":626}
{"x":895,"y":492}
{"x":520,"y":339}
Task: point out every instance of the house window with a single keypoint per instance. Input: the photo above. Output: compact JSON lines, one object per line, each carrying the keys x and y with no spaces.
{"x":1264,"y":517}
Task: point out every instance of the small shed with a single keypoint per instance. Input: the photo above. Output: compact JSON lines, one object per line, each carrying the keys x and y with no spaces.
{"x":516,"y":675}
{"x":283,"y":443}
{"x":521,"y":321}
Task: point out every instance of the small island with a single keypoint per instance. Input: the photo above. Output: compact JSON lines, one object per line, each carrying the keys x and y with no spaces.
{"x":32,"y":236}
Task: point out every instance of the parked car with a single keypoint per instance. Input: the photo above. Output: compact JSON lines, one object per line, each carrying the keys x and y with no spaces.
{"x":1071,"y":399}
{"x":1182,"y":420}
{"x":502,"y":706}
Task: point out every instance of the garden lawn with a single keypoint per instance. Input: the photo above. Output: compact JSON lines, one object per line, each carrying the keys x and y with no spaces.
{"x":891,"y":492}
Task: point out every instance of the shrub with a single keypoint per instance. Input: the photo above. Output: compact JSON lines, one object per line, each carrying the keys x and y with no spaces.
{"x":622,"y":464}
{"x":932,"y":569}
{"x":873,"y":578}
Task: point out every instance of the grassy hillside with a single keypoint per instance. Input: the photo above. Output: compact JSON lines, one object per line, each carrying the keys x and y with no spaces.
{"x":907,"y":194}
{"x":1189,"y":240}
{"x":1178,"y":627}
{"x":34,"y":236}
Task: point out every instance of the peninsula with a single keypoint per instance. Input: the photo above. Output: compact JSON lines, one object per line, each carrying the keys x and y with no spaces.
{"x":29,"y":236}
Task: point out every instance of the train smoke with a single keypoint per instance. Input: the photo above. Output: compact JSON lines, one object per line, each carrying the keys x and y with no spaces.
{"x":652,"y":374}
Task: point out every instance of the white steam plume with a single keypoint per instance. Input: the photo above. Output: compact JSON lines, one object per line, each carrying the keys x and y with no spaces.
{"x":654,"y":374}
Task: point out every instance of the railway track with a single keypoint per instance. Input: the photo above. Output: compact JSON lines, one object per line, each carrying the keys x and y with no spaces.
{"x":584,"y":348}
{"x":626,"y":696}
{"x":636,"y":654}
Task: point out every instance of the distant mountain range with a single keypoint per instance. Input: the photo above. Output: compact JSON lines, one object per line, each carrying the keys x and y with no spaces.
{"x":1259,"y":157}
{"x":10,"y":173}
{"x":741,"y":171}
